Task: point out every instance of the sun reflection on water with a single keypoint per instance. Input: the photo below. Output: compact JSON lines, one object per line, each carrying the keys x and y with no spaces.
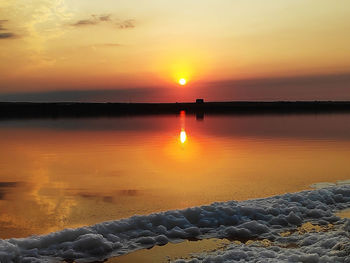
{"x":70,"y":177}
{"x":183,"y":136}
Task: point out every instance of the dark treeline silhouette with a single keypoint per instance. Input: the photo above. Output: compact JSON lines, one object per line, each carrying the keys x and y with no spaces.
{"x":74,"y":109}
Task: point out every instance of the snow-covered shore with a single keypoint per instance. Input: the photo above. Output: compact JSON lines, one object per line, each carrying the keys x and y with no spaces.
{"x":253,"y":219}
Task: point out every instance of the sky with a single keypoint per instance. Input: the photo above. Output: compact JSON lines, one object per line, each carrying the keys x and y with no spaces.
{"x":135,"y":50}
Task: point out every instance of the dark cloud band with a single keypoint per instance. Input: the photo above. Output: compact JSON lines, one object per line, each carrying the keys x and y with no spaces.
{"x":7,"y":35}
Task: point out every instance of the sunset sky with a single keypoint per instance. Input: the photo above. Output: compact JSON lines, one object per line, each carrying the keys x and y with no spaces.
{"x":134,"y":50}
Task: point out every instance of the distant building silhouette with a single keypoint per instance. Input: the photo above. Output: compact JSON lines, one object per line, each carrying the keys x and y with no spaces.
{"x":199,"y":101}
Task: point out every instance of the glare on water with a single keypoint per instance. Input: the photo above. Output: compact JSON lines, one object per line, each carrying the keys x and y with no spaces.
{"x":183,"y":136}
{"x":64,"y":173}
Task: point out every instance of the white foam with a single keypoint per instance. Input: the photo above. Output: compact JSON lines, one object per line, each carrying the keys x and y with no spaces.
{"x":323,"y":247}
{"x":260,"y":218}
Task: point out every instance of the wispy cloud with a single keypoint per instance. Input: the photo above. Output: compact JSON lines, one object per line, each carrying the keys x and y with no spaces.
{"x":105,"y":18}
{"x":2,"y":22}
{"x":93,"y":20}
{"x":130,"y":23}
{"x":7,"y":35}
{"x":85,"y":22}
{"x":99,"y":19}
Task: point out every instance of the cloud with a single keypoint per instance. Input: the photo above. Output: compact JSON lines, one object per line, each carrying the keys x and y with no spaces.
{"x":85,"y":22}
{"x":98,"y":19}
{"x":7,"y":35}
{"x":1,"y":24}
{"x":130,"y":23}
{"x":105,"y":18}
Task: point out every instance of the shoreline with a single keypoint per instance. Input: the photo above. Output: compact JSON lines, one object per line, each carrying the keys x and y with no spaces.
{"x":255,"y":219}
{"x":80,"y":109}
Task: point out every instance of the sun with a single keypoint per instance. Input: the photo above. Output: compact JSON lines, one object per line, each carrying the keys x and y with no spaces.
{"x":182,"y":81}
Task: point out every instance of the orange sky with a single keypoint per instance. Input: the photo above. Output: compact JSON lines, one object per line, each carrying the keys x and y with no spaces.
{"x":59,"y":45}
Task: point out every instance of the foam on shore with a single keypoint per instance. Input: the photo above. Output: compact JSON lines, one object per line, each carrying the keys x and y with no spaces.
{"x":263,"y":218}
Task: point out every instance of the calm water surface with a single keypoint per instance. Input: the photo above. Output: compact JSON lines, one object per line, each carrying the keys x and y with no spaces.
{"x":64,"y":173}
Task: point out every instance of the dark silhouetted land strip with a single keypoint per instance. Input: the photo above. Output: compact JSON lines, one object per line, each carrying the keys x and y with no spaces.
{"x":64,"y":109}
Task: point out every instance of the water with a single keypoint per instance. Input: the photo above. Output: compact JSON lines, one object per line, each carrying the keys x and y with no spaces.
{"x":171,"y":252}
{"x":64,"y":173}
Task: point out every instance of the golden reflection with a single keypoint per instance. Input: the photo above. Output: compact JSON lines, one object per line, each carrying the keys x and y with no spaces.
{"x":170,"y":251}
{"x":183,"y":136}
{"x":344,"y":213}
{"x":182,"y":119}
{"x":69,"y":177}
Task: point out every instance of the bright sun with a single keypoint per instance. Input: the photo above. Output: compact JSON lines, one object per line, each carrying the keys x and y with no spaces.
{"x":182,"y":82}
